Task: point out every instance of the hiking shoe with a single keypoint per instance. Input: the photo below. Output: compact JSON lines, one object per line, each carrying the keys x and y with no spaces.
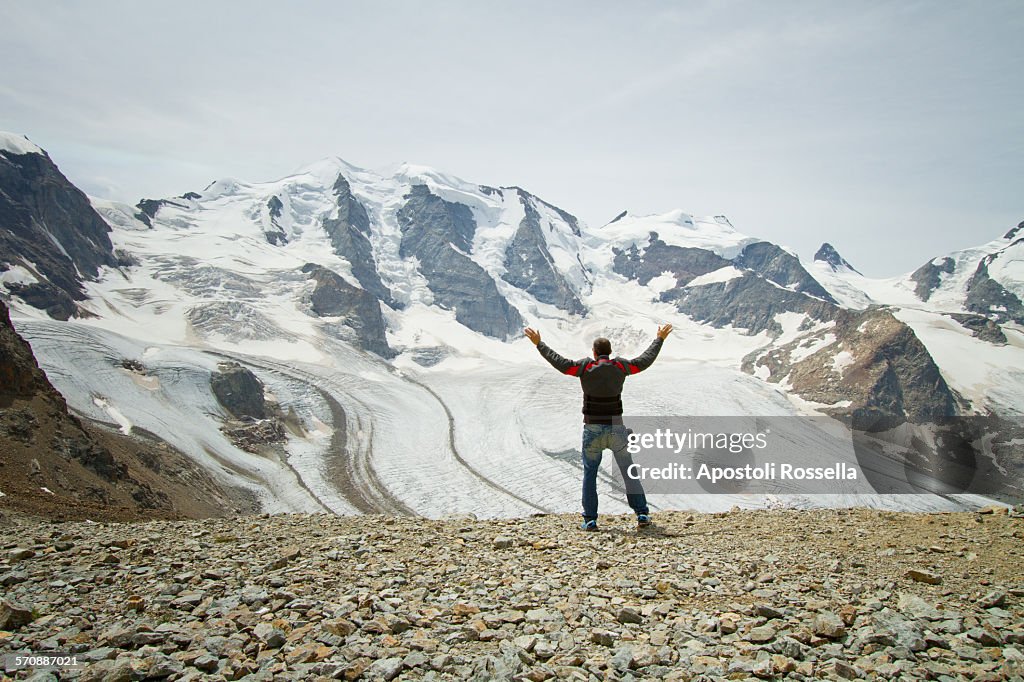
{"x":589,"y":525}
{"x":643,"y":520}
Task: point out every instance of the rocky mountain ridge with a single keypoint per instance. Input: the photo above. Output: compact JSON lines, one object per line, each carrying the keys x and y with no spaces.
{"x":437,"y":236}
{"x":409,"y":273}
{"x":50,"y":232}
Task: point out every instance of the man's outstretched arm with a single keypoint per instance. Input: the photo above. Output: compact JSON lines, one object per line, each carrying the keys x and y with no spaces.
{"x":646,"y":359}
{"x":563,"y":365}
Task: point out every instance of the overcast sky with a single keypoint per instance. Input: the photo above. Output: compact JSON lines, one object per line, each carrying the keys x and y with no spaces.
{"x":893,"y":130}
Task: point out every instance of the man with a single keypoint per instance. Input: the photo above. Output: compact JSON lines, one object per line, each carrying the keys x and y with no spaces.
{"x":601,"y":379}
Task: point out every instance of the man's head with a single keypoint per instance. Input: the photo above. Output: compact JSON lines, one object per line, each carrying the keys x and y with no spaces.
{"x":602,"y":346}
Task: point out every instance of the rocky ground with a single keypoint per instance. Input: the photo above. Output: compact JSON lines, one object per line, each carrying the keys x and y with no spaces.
{"x":743,"y":595}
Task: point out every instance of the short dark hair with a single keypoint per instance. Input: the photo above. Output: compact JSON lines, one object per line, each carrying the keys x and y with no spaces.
{"x":602,"y":346}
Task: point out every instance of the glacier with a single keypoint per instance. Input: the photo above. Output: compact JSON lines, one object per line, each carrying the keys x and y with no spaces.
{"x":457,"y":421}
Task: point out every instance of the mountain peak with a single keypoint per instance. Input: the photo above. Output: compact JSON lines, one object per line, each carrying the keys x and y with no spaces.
{"x":418,"y":174}
{"x":827,"y":254}
{"x":16,"y":144}
{"x":327,"y":170}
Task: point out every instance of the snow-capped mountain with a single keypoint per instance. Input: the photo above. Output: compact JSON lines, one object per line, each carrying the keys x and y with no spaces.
{"x":828,"y":255}
{"x":382,"y":310}
{"x":966,"y":308}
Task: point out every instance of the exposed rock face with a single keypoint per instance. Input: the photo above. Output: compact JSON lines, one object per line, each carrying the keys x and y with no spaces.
{"x":685,"y":263}
{"x":569,"y":218}
{"x":440,"y":234}
{"x":148,"y":208}
{"x":869,"y":360}
{"x":982,"y":327}
{"x":988,"y":297}
{"x":928,"y":277}
{"x":774,"y":282}
{"x":275,"y":206}
{"x":349,"y":232}
{"x":749,"y":302}
{"x":360,"y":309}
{"x":277,"y":236}
{"x":20,"y":376}
{"x":530,"y":267}
{"x":827,"y":254}
{"x":779,"y":266}
{"x":239,"y":391}
{"x":48,"y":226}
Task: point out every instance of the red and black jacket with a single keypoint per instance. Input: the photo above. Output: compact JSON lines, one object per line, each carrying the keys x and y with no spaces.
{"x":601,"y":380}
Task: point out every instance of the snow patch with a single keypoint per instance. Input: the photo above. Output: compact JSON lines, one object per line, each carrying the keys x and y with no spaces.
{"x":115,"y":414}
{"x":790,"y":323}
{"x":662,"y":283}
{"x":841,"y":361}
{"x":676,"y":228}
{"x":729,"y":272}
{"x":811,"y":346}
{"x":18,"y":274}
{"x":12,"y":143}
{"x":845,"y":285}
{"x":986,"y":374}
{"x":1007,"y":268}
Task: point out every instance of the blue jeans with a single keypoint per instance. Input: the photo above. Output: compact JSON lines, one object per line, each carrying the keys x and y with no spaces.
{"x":596,"y":439}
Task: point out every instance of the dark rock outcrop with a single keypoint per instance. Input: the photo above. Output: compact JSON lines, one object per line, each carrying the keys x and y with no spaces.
{"x":779,"y":266}
{"x":569,"y":218}
{"x":774,"y":283}
{"x":928,"y":277}
{"x":275,"y":207}
{"x":749,"y":302}
{"x":239,"y":391}
{"x":148,"y":208}
{"x":48,"y":226}
{"x":988,"y":297}
{"x":20,"y":376}
{"x":276,"y":236}
{"x":530,"y":267}
{"x":349,"y":232}
{"x":888,"y":378}
{"x":685,"y":263}
{"x":440,"y":234}
{"x":982,"y":328}
{"x":827,"y":254}
{"x":359,"y":309}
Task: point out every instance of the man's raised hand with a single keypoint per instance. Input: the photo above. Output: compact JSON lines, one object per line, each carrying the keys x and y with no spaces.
{"x":534,"y":335}
{"x":663,"y":332}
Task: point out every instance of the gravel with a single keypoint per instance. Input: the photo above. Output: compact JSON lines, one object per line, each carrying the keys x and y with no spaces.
{"x":739,"y":595}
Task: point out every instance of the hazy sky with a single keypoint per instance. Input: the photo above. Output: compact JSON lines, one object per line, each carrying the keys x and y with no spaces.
{"x":893,"y":130}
